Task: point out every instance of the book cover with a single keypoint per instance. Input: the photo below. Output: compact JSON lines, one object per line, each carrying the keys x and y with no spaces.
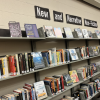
{"x":98,"y":83}
{"x":85,"y":33}
{"x":58,"y":32}
{"x":67,"y":80}
{"x":49,"y":31}
{"x":15,"y":30}
{"x":74,"y":76}
{"x":38,"y":60}
{"x":97,"y":33}
{"x":79,"y":32}
{"x":41,"y":32}
{"x":90,"y":34}
{"x":40,"y":90}
{"x":31,"y":30}
{"x":68,"y":32}
{"x":73,"y":54}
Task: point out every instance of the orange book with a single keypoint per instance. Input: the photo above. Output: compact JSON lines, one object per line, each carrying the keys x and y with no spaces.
{"x":62,"y":54}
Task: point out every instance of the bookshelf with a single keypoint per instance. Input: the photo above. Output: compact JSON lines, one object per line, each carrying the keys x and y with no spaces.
{"x":36,"y":72}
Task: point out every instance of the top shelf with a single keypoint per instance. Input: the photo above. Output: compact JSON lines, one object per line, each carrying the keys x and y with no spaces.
{"x":5,"y":35}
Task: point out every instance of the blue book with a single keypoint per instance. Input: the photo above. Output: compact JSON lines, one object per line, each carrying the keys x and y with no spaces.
{"x":45,"y":54}
{"x":31,"y":30}
{"x":67,"y":55}
{"x":38,"y":60}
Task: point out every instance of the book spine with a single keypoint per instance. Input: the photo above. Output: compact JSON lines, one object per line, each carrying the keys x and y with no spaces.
{"x":12,"y":66}
{"x":62,"y":82}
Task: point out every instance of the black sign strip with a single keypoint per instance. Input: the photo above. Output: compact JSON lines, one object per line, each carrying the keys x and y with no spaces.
{"x":42,"y":13}
{"x":71,"y":19}
{"x":90,"y":23}
{"x":58,"y":16}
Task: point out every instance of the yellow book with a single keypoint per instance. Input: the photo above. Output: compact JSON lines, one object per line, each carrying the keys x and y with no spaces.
{"x":58,"y":56}
{"x":74,"y":76}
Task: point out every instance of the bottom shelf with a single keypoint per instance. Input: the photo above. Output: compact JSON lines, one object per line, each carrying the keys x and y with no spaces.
{"x":72,"y":86}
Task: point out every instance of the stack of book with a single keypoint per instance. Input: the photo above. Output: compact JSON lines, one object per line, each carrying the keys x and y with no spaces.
{"x":34,"y":91}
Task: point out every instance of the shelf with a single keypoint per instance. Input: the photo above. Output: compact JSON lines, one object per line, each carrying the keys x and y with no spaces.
{"x":72,"y":86}
{"x":10,"y":77}
{"x":93,"y":96}
{"x":51,"y":38}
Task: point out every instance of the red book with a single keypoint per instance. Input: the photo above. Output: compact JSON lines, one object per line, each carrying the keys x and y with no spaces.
{"x":12,"y":66}
{"x":86,"y":93}
{"x":87,"y":51}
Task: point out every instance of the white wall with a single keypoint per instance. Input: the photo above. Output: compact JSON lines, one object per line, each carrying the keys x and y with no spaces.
{"x":23,"y":11}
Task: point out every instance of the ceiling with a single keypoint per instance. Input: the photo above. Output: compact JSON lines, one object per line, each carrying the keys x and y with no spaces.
{"x":95,"y":3}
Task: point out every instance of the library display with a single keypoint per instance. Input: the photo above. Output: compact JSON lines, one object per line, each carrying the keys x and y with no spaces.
{"x":61,"y":59}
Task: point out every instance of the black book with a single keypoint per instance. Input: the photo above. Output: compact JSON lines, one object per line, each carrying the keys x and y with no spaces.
{"x":20,"y":63}
{"x":0,"y":68}
{"x":24,"y":62}
{"x":67,"y":80}
{"x":29,"y":61}
{"x":41,"y":32}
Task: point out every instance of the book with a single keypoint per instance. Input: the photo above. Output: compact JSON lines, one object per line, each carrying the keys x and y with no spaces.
{"x":85,"y":33}
{"x":58,"y":33}
{"x":41,"y":32}
{"x":52,"y":56}
{"x":67,"y":55}
{"x":67,"y":80}
{"x":73,"y":54}
{"x":31,"y":30}
{"x":79,"y":32}
{"x":90,"y":34}
{"x":68,"y":32}
{"x":17,"y":64}
{"x":37,"y":60}
{"x":12,"y":66}
{"x":4,"y":67}
{"x":98,"y":83}
{"x":62,"y":55}
{"x":97,"y":33}
{"x":74,"y":76}
{"x":15,"y":30}
{"x":61,"y":80}
{"x":91,"y":53}
{"x":49,"y":31}
{"x":40,"y":90}
{"x":78,"y":53}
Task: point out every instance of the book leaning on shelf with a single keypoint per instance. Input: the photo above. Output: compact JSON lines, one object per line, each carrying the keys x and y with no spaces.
{"x":12,"y":65}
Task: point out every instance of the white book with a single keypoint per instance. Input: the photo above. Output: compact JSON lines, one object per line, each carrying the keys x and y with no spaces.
{"x":68,"y":32}
{"x":18,"y":70}
{"x":73,"y":54}
{"x":40,"y":90}
{"x":49,"y":31}
{"x":85,"y":33}
{"x":97,"y":33}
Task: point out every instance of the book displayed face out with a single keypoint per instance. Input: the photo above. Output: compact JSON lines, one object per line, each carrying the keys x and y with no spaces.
{"x":79,"y":32}
{"x":68,"y":32}
{"x":58,"y":32}
{"x":15,"y":30}
{"x":85,"y":33}
{"x":31,"y":30}
{"x":49,"y":31}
